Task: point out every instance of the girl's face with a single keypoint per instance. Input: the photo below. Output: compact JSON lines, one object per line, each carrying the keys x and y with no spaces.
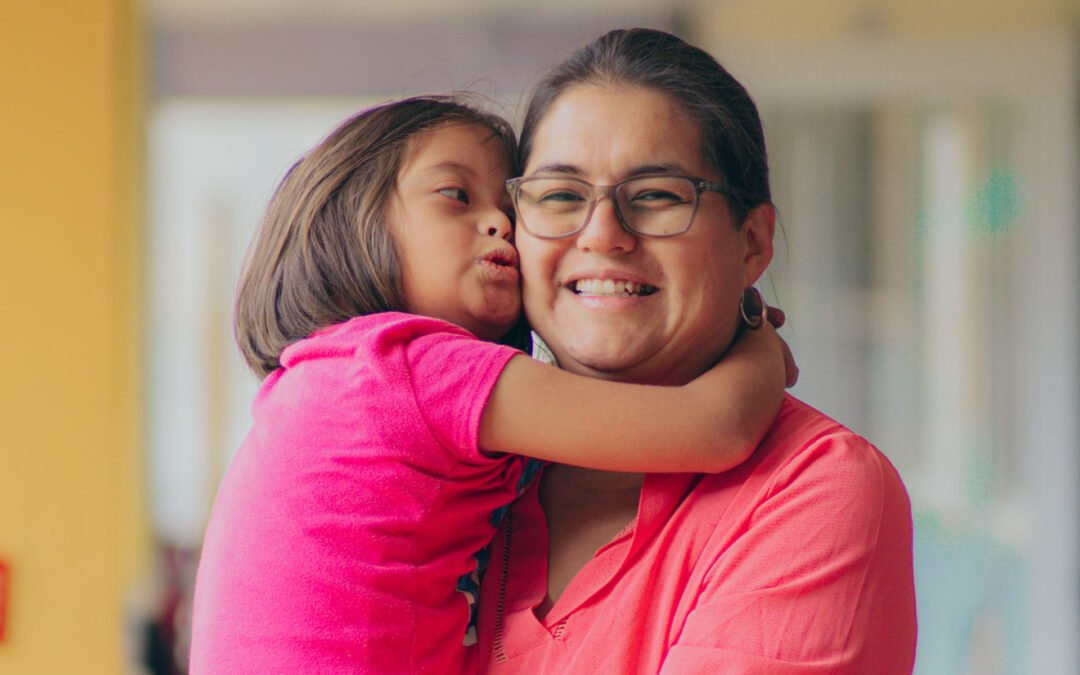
{"x":450,"y":217}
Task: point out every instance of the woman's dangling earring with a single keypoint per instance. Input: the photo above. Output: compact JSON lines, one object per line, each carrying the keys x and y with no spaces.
{"x":752,"y":308}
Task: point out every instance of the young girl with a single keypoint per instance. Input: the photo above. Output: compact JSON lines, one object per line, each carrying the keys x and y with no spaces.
{"x":348,"y":534}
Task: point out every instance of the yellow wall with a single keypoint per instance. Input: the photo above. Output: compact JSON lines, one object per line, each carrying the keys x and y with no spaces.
{"x":72,"y":527}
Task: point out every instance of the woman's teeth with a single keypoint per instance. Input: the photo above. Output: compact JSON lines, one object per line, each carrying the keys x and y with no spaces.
{"x":612,"y":288}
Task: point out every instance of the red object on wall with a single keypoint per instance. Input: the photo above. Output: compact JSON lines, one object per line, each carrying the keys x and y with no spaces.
{"x":3,"y":597}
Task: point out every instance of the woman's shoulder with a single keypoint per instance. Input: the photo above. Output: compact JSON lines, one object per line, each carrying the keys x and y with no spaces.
{"x":811,"y":478}
{"x":799,"y":427}
{"x":806,"y":448}
{"x":798,"y":419}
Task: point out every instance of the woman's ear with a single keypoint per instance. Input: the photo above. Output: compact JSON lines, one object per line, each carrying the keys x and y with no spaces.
{"x":757,"y":237}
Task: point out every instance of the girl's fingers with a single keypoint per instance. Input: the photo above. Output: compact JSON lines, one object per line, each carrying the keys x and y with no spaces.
{"x":776,"y":316}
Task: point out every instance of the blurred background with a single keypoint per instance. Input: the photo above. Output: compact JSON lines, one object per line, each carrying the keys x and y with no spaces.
{"x":924,"y":157}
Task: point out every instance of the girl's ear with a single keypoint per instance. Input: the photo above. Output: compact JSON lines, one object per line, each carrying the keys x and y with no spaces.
{"x":757,"y":237}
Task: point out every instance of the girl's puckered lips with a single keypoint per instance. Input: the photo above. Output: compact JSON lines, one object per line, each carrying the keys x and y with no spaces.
{"x":504,"y":256}
{"x":499,"y":265}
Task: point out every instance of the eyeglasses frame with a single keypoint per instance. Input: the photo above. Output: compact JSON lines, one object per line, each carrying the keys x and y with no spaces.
{"x":596,"y":191}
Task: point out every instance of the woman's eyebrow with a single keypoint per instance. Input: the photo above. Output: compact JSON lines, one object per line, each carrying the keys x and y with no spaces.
{"x":558,"y":168}
{"x":570,"y":169}
{"x":656,"y":168}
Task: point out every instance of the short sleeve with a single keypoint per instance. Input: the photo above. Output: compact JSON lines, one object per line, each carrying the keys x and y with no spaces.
{"x":452,"y":375}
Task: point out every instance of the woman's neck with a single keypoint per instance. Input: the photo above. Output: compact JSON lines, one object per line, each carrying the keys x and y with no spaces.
{"x":585,"y":509}
{"x":596,"y":481}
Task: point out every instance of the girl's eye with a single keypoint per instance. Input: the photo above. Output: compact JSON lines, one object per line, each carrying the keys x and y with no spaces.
{"x":458,"y":194}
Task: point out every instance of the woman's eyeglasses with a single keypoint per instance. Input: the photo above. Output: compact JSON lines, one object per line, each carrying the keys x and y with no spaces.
{"x":655,"y":205}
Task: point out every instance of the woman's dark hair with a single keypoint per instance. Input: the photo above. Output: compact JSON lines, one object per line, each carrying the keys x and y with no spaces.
{"x":323,"y":253}
{"x":732,"y":136}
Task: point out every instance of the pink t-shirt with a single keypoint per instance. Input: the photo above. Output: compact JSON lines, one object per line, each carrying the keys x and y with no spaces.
{"x":349,"y":528}
{"x":798,"y":561}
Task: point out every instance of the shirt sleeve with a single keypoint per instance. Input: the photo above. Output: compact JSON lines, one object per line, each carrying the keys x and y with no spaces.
{"x":452,"y":375}
{"x":818,"y":577}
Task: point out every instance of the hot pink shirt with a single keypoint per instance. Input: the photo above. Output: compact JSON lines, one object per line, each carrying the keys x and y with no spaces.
{"x":796,"y":562}
{"x":355,"y":509}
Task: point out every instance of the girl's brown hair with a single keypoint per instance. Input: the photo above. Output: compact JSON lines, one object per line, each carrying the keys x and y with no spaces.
{"x":323,"y":253}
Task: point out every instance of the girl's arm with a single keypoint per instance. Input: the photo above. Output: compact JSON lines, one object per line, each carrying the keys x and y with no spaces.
{"x":711,"y":424}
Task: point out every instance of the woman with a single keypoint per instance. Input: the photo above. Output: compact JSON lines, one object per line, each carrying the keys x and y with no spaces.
{"x":797,"y":561}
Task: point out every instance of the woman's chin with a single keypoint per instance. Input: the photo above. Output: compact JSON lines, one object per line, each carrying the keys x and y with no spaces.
{"x":603,"y":358}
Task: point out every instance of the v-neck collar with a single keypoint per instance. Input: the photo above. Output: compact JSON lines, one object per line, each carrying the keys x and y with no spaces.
{"x":660,"y":495}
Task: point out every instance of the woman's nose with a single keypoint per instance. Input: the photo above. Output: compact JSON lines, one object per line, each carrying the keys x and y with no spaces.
{"x":604,"y":233}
